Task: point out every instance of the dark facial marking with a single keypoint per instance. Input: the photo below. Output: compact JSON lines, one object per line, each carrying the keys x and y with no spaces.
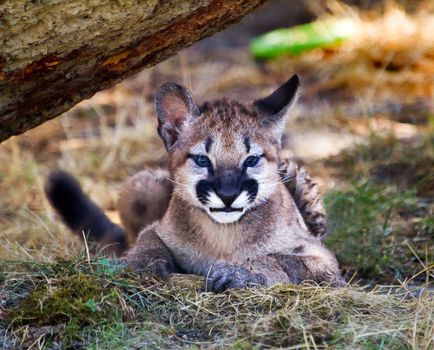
{"x":203,"y":187}
{"x":208,"y":143}
{"x":247,"y":143}
{"x":228,"y":185}
{"x":251,"y":186}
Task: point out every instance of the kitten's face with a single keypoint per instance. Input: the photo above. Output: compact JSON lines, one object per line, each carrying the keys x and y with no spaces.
{"x":224,"y":155}
{"x":225,"y":167}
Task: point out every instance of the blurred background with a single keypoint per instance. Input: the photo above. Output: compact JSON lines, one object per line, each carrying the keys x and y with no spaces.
{"x":363,"y":126}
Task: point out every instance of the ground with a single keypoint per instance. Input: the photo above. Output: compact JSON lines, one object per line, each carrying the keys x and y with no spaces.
{"x":363,"y":126}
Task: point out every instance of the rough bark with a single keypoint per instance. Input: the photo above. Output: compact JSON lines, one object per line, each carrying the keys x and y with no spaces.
{"x":53,"y":53}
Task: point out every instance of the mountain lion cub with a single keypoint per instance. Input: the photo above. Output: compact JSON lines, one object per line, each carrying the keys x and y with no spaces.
{"x":228,"y":208}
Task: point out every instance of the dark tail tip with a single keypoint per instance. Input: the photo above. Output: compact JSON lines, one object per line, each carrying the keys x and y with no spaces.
{"x":80,"y":214}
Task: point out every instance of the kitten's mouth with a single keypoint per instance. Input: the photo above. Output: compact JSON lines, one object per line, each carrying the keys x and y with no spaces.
{"x":225,"y":210}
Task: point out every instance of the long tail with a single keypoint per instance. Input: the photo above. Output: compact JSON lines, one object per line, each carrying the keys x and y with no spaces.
{"x":81,"y":215}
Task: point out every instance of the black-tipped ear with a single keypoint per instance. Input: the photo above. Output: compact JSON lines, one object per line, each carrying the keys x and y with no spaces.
{"x":175,"y":106}
{"x":277,"y":104}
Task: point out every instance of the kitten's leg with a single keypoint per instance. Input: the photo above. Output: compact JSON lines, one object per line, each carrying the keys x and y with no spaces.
{"x":151,"y":255}
{"x":301,"y":268}
{"x":306,"y":196}
{"x":308,"y":262}
{"x":144,"y":199}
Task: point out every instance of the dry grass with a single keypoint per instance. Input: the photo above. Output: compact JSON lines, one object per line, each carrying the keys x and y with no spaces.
{"x":379,"y":196}
{"x":390,"y":55}
{"x":143,"y":313}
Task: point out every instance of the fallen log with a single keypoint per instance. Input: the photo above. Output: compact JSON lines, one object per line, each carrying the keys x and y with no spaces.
{"x":54,"y":54}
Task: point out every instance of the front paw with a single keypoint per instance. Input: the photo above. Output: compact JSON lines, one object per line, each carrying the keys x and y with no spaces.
{"x":224,"y":276}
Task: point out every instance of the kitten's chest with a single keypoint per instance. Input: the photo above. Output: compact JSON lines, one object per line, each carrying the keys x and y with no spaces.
{"x":196,"y":251}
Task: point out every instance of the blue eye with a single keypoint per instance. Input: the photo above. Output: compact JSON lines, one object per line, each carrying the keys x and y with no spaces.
{"x":251,"y":161}
{"x":202,"y":161}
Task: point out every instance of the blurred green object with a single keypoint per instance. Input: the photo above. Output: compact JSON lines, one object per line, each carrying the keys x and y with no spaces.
{"x":302,"y":38}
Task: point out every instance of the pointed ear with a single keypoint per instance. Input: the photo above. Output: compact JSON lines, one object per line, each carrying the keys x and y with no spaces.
{"x":274,"y":107}
{"x":175,"y":107}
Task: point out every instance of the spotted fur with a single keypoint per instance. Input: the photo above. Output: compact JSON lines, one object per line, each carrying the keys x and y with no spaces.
{"x":306,"y":196}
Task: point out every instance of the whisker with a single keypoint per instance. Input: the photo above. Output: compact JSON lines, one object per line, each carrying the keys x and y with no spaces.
{"x":179,"y":183}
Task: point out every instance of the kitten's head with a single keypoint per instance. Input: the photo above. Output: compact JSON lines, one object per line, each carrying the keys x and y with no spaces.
{"x":224,"y":154}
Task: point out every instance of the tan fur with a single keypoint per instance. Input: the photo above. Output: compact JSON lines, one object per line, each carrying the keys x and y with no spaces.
{"x":143,"y":200}
{"x":271,"y":243}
